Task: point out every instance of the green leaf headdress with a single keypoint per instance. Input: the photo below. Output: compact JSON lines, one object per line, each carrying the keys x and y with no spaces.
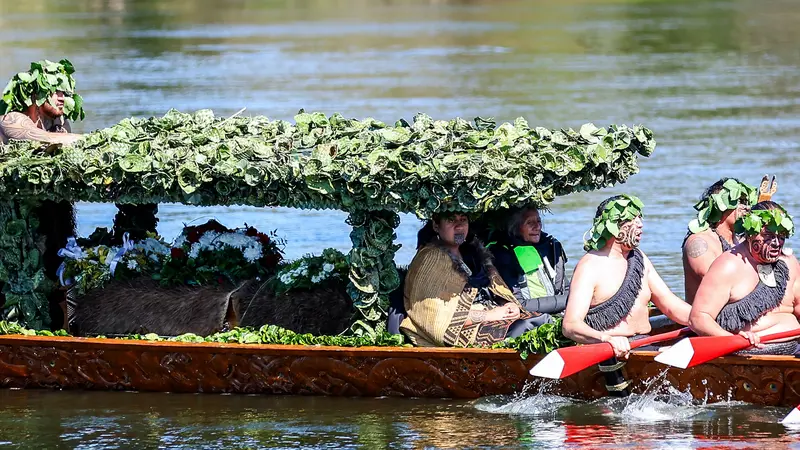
{"x":776,"y":220}
{"x":41,"y":81}
{"x":711,"y":208}
{"x":606,"y":224}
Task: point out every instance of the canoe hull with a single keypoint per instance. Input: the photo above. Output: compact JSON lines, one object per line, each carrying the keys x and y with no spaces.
{"x":102,"y":364}
{"x":78,"y":363}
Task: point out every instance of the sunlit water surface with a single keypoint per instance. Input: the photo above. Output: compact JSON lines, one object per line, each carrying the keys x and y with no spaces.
{"x":91,"y":420}
{"x":717,"y":82}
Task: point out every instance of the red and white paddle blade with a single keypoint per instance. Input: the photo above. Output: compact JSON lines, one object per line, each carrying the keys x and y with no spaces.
{"x":566,"y":361}
{"x":793,"y":417}
{"x":551,"y":366}
{"x":679,"y":355}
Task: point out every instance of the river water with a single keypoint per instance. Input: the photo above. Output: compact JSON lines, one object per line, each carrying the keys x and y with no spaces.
{"x":717,"y":82}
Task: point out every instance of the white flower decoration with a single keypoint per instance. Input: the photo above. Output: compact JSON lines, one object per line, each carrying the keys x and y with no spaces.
{"x":251,"y":254}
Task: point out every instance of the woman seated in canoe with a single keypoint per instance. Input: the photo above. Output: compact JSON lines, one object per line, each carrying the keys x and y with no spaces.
{"x":531,"y":263}
{"x":454,"y":295}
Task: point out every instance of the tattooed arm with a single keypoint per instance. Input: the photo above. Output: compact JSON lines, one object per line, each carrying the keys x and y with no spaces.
{"x":699,"y":254}
{"x":18,"y":126}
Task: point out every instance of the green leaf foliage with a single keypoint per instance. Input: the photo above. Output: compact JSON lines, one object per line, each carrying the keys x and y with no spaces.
{"x":373,"y":273}
{"x":7,"y":327}
{"x":711,"y":207}
{"x":267,"y":334}
{"x":42,"y":80}
{"x":22,"y":275}
{"x":775,"y":220}
{"x":542,"y":340}
{"x":326,"y":162}
{"x":606,"y":225}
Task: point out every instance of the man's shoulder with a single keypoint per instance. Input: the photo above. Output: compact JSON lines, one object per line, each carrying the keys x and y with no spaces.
{"x":789,"y":258}
{"x":728,"y":263}
{"x":14,"y":117}
{"x":699,"y":244}
{"x":707,"y":236}
{"x":591,"y":260}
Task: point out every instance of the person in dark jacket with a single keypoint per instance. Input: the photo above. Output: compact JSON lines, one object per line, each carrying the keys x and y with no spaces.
{"x":532,"y":263}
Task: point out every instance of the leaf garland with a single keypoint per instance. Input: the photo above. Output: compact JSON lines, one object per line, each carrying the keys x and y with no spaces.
{"x":542,"y":340}
{"x":322,"y":162}
{"x":373,"y":273}
{"x":7,"y":327}
{"x":40,"y":82}
{"x":606,"y":225}
{"x":22,"y":277}
{"x":775,"y":220}
{"x":267,"y":334}
{"x":711,"y":208}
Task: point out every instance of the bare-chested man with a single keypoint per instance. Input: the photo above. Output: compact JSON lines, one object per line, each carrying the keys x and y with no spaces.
{"x":753,"y":289}
{"x":613,"y":283}
{"x":711,"y":233}
{"x":37,"y":104}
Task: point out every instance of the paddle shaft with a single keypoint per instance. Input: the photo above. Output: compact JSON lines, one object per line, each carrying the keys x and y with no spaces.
{"x":660,"y":337}
{"x":745,"y":343}
{"x":698,"y":350}
{"x":564,"y":362}
{"x":781,"y":335}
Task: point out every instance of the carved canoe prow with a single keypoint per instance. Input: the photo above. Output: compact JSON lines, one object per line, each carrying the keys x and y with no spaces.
{"x":110,"y":364}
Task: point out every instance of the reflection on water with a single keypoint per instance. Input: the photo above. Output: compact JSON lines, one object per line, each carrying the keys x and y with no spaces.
{"x":44,"y":419}
{"x":717,"y":81}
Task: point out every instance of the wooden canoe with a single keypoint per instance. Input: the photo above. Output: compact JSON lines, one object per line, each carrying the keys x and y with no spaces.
{"x":108,"y":364}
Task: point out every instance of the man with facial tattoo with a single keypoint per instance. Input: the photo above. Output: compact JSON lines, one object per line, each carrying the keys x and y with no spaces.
{"x":752,"y":290}
{"x":612,"y":286}
{"x":614,"y":282}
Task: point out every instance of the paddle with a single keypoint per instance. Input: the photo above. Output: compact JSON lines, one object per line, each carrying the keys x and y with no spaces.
{"x":793,"y":416}
{"x":697,"y":350}
{"x":564,"y":362}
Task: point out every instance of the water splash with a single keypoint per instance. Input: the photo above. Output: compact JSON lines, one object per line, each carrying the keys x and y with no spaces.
{"x":660,"y":401}
{"x":536,"y":399}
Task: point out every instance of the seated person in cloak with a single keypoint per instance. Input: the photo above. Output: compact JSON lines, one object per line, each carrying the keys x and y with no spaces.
{"x":753,"y":289}
{"x":614,"y":281}
{"x":531,"y":262}
{"x":711,"y":233}
{"x":453,"y":294}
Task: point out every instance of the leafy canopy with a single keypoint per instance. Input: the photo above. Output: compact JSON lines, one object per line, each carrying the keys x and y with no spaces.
{"x":322,"y":162}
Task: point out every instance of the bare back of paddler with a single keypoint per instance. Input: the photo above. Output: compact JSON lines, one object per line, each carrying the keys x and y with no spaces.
{"x":711,"y":232}
{"x":752,"y":290}
{"x":614,"y":282}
